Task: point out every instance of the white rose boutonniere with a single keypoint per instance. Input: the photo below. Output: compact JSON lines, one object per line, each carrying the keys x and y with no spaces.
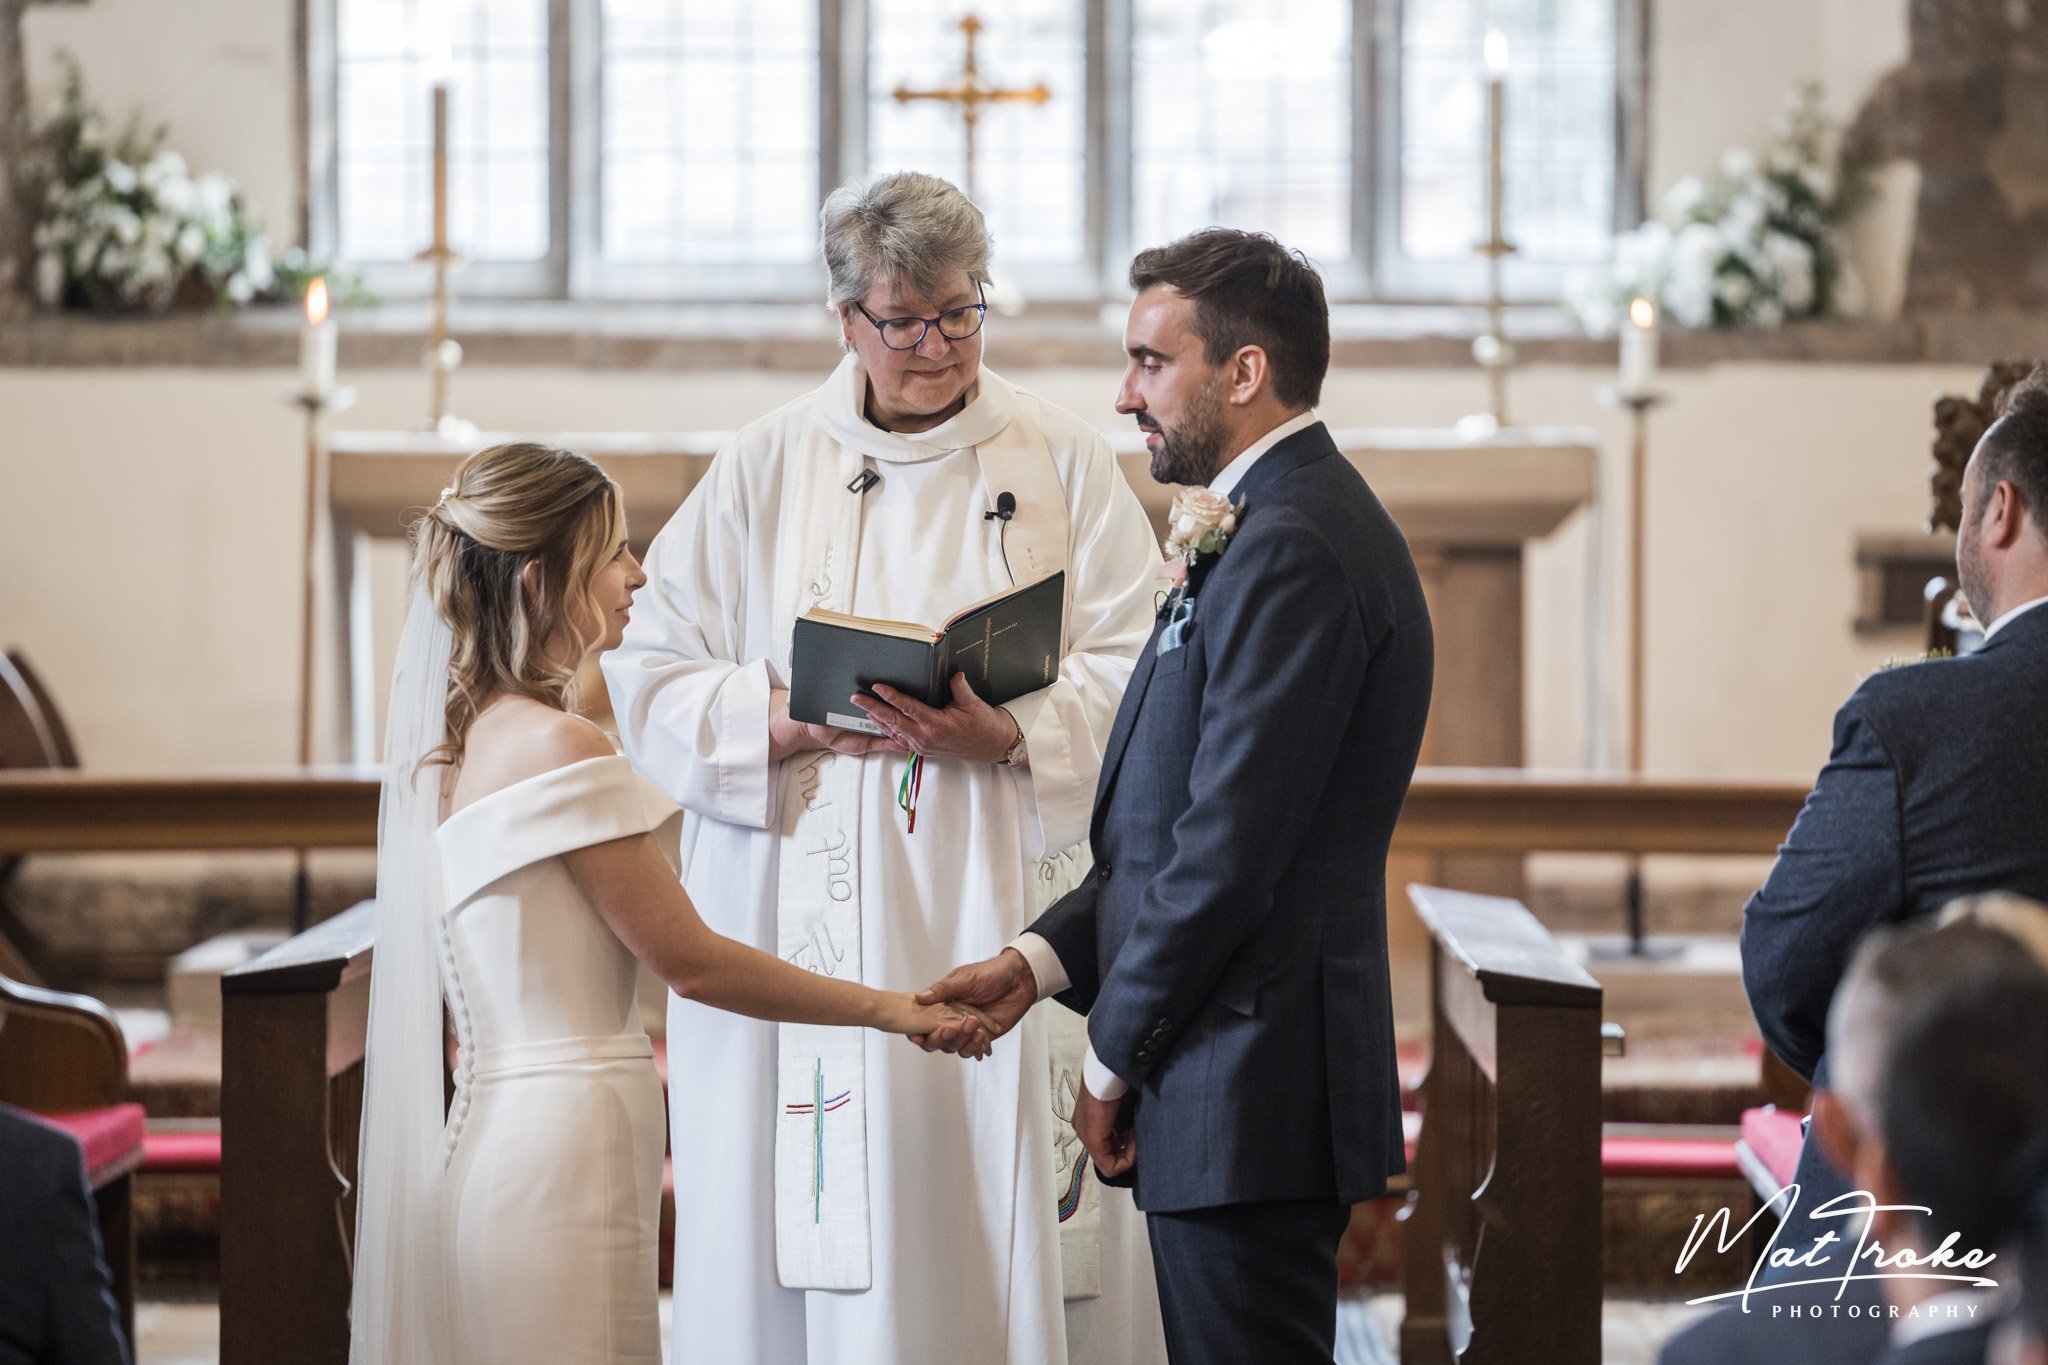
{"x":1200,"y":523}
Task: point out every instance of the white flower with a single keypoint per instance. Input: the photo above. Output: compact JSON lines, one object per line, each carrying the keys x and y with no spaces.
{"x":1791,"y":262}
{"x":1820,"y":181}
{"x":1684,"y":197}
{"x":212,"y":197}
{"x":163,"y":168}
{"x":174,"y":196}
{"x":50,"y":279}
{"x":120,"y":177}
{"x":1202,"y":523}
{"x":1745,"y":216}
{"x":1768,"y":313}
{"x":1738,"y":163}
{"x":125,"y":225}
{"x":190,"y":242}
{"x":239,"y":288}
{"x":1734,"y":290}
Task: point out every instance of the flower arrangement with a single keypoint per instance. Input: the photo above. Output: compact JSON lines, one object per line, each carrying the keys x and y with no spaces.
{"x":1755,"y":245}
{"x":122,"y":223}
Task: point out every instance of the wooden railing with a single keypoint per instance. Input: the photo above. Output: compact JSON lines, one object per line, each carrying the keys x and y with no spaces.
{"x":293,"y":1024}
{"x":1503,"y":1242}
{"x":1449,"y":810}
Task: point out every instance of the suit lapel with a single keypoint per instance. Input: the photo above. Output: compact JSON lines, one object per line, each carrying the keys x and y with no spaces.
{"x":1126,"y":717}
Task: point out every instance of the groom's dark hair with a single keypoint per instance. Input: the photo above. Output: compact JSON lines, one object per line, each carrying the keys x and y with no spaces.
{"x":1249,"y":291}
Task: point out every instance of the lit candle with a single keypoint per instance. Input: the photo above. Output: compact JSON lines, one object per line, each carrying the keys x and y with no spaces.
{"x":317,"y":343}
{"x":1496,"y":83}
{"x":437,"y":51}
{"x":1639,"y":349}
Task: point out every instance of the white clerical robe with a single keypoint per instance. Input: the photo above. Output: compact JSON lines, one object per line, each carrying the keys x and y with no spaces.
{"x":962,"y":1193}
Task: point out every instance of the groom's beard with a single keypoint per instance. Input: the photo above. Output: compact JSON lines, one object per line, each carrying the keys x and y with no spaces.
{"x":1190,"y":453}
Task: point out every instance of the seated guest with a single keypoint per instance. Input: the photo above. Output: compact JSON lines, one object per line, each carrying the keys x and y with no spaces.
{"x":2023,"y":1338}
{"x":1963,"y":1122}
{"x":1900,"y":977}
{"x":56,"y":1293}
{"x":1938,"y":784}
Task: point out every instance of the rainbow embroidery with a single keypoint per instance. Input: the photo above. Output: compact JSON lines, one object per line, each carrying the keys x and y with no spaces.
{"x":1071,"y":1200}
{"x":818,"y":1108}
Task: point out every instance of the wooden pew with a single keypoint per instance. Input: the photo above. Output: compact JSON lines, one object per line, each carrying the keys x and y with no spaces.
{"x":1503,"y":1243}
{"x":293,"y":1026}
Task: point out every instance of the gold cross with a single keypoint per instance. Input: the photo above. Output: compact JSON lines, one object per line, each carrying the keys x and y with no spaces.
{"x":971,"y":95}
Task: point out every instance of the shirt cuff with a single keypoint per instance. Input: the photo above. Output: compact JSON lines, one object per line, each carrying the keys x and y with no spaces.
{"x":1047,"y":972}
{"x":1102,"y":1083}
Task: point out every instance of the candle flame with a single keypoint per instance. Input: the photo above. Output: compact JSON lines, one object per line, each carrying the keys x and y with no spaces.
{"x":1643,"y":313}
{"x":1496,"y":52}
{"x":316,"y":300}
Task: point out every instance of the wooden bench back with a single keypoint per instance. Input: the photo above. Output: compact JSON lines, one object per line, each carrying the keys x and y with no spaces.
{"x":294,"y":1023}
{"x":1503,"y":1241}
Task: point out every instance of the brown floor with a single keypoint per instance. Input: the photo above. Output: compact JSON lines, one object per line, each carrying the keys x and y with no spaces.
{"x":189,"y":1333}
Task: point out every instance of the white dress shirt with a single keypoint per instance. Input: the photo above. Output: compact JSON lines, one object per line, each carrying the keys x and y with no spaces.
{"x":1046,"y":968}
{"x":2002,"y":622}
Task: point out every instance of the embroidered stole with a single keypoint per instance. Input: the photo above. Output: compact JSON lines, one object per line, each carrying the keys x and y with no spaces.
{"x":822,"y":1238}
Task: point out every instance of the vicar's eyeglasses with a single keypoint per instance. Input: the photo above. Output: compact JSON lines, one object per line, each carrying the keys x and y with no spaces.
{"x":907,"y":334}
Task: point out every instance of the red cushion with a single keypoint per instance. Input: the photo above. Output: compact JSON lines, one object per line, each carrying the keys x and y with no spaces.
{"x":111,"y":1137}
{"x":181,"y":1153}
{"x":1668,"y":1158}
{"x":1775,"y":1136}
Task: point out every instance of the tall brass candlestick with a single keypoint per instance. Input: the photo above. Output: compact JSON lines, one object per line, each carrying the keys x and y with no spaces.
{"x":443,"y":353}
{"x":1492,"y":350}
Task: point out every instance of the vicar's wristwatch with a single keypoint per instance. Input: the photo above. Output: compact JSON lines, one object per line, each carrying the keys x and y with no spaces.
{"x":1016,"y":755}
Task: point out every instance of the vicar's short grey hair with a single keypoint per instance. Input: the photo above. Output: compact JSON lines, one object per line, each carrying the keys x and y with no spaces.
{"x":902,"y":226}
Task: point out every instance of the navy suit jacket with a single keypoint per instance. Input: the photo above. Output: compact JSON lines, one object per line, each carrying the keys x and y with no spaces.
{"x":1937,"y":788}
{"x":1230,"y":949}
{"x":56,"y":1300}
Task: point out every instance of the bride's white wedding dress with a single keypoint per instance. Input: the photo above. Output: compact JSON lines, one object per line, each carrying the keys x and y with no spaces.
{"x":552,"y":1191}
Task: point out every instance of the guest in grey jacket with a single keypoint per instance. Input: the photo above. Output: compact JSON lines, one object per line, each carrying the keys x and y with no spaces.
{"x":1938,"y":784}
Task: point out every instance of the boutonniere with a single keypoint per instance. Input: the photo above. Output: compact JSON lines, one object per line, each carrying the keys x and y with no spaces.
{"x":1200,"y":523}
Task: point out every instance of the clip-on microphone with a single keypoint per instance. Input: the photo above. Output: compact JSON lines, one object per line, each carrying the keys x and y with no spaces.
{"x":1006,"y":507}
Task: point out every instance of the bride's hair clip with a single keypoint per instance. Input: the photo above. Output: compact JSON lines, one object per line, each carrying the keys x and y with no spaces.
{"x":446,"y":494}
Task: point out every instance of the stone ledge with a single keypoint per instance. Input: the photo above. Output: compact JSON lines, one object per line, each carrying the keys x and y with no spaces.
{"x":798,"y":338}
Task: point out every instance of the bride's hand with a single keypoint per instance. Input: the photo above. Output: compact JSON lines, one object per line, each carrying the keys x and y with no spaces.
{"x":787,"y":737}
{"x":906,"y":1016}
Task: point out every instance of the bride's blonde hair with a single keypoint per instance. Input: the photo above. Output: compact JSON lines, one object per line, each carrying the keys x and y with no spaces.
{"x":510,"y":506}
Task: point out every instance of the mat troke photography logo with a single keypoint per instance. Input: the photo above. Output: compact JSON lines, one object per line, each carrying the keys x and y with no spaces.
{"x":1836,"y":1258}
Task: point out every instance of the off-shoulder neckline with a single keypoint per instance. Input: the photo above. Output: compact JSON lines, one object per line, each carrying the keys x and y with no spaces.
{"x":488,"y":797}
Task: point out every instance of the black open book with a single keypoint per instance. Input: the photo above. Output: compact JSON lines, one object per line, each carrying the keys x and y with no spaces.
{"x":1007,"y":645}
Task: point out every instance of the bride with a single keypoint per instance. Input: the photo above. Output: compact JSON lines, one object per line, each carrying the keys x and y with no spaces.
{"x":522,"y":867}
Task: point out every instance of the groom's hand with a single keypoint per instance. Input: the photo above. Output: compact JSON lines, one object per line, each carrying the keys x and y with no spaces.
{"x":1105,"y":1129}
{"x":999,"y":989}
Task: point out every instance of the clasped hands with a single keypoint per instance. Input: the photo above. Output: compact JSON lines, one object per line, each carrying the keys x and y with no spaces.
{"x":998,"y":990}
{"x":967,"y":727}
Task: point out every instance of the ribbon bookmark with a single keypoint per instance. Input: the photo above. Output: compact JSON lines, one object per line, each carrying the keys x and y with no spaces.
{"x":906,"y":791}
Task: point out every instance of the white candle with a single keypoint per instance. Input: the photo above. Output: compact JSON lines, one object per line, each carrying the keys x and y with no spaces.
{"x":317,"y":343}
{"x":1496,"y":51}
{"x":1639,"y":349}
{"x":437,"y":53}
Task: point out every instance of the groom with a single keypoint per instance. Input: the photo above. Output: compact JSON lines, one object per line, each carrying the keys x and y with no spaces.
{"x":1230,"y":948}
